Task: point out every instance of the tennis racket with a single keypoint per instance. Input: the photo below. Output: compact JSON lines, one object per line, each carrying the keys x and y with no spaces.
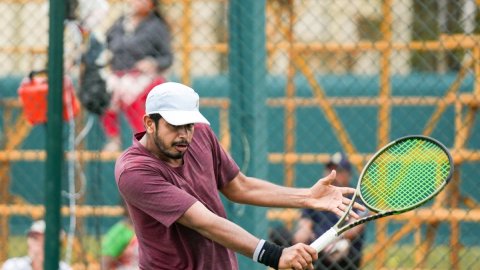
{"x":400,"y":177}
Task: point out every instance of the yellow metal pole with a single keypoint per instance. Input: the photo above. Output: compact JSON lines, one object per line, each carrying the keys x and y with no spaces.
{"x":449,"y":95}
{"x":186,"y":33}
{"x":421,"y":253}
{"x":384,"y":112}
{"x":290,"y":107}
{"x":465,"y":127}
{"x":455,"y":224}
{"x":404,"y":230}
{"x":385,"y":73}
{"x":14,"y":136}
{"x":327,"y":108}
{"x":225,"y":138}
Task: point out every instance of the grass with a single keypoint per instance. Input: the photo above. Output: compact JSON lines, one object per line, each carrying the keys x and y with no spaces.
{"x":403,"y":257}
{"x":88,"y":250}
{"x":399,"y":257}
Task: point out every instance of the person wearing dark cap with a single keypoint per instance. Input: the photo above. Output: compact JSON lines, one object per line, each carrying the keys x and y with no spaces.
{"x":347,"y":252}
{"x":170,"y":179}
{"x":34,"y":259}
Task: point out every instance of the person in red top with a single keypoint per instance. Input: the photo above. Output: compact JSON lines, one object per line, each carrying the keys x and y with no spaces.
{"x":170,"y":178}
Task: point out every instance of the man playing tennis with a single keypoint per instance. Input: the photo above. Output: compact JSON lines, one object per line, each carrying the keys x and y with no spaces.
{"x":170,"y":178}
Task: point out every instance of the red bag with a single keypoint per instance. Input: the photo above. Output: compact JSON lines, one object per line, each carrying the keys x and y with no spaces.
{"x":33,"y":92}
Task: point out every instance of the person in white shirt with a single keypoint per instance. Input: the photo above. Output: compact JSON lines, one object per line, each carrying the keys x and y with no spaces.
{"x":34,"y":259}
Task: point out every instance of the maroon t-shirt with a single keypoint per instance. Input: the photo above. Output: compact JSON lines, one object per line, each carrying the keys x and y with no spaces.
{"x":157,"y":195}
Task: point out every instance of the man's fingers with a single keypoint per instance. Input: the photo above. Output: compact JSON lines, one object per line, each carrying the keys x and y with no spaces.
{"x":359,"y":206}
{"x":354,"y":215}
{"x":356,"y":205}
{"x":299,"y":256}
{"x":342,"y":208}
{"x":309,"y":254}
{"x":300,"y":264}
{"x":304,"y":264}
{"x":314,"y":253}
{"x":327,"y":180}
{"x":347,"y":190}
{"x":338,"y":212}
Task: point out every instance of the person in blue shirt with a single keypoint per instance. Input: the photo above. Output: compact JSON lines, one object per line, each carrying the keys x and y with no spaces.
{"x":345,"y":253}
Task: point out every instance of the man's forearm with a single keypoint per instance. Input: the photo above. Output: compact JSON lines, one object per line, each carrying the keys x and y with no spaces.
{"x":218,"y":229}
{"x":231,"y":236}
{"x":250,"y":190}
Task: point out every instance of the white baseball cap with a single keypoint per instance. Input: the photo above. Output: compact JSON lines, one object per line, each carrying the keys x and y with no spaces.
{"x":177,"y":103}
{"x":37,"y":227}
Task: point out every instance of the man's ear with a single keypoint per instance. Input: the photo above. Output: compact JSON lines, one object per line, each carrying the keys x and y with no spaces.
{"x":148,"y":123}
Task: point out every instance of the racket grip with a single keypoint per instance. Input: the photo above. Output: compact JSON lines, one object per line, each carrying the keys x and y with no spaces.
{"x":324,"y":240}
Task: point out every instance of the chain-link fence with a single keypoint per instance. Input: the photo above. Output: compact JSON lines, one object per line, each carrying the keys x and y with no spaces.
{"x":285,"y":85}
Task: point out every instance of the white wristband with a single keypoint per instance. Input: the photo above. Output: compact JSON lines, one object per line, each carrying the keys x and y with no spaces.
{"x":257,"y":250}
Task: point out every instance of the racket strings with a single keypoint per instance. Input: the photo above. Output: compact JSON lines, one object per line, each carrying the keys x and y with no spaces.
{"x":404,"y":174}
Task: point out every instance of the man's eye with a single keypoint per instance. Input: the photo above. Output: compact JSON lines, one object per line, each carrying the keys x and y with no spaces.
{"x":187,"y":127}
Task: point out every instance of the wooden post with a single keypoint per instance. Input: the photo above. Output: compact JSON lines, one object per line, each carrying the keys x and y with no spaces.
{"x":385,"y":73}
{"x":186,"y":34}
{"x":15,"y":133}
{"x":384,"y":110}
{"x":290,"y":108}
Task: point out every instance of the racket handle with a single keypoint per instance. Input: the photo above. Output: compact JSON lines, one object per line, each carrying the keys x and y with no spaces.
{"x":324,"y":240}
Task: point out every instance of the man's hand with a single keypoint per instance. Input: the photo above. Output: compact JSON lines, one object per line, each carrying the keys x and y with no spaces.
{"x":325,"y":196}
{"x":298,"y":257}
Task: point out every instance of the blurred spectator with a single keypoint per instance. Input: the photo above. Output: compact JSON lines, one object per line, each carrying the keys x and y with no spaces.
{"x":92,"y":91}
{"x":120,"y":246}
{"x":34,"y":259}
{"x":345,"y":253}
{"x":139,"y":43}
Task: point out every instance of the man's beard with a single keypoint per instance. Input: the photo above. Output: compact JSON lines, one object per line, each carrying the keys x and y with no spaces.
{"x":161,"y":147}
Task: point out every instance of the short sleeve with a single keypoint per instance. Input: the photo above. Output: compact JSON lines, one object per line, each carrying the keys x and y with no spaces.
{"x":225,"y":167}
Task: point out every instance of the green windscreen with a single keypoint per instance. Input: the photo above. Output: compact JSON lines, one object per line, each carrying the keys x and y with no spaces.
{"x":405,"y":174}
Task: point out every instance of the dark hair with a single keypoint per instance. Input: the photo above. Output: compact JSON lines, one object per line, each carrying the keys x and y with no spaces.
{"x":155,"y":117}
{"x":158,"y":13}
